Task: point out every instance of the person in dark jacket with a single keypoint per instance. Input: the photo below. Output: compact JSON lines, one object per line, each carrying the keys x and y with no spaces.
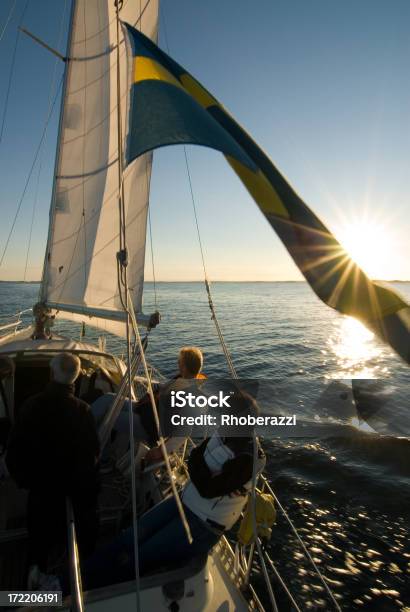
{"x":53,"y":452}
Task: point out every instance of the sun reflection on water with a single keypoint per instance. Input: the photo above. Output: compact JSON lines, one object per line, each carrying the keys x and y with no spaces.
{"x":355,"y":351}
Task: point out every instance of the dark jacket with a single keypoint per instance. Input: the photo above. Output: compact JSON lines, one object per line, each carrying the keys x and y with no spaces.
{"x":236,"y":472}
{"x":54,"y":443}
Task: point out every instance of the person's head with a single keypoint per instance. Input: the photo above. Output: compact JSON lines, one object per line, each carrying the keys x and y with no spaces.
{"x":190,"y":361}
{"x":242,"y":405}
{"x":65,"y":368}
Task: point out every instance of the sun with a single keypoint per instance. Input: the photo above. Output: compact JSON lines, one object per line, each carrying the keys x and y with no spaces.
{"x":370,"y":245}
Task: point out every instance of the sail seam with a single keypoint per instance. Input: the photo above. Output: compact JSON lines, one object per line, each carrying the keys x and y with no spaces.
{"x":96,"y":125}
{"x":97,"y":252}
{"x":113,"y":20}
{"x":79,"y":59}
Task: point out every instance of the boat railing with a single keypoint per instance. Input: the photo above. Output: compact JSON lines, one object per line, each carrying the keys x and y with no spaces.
{"x":246,"y":561}
{"x":77,"y":604}
{"x":9,"y":324}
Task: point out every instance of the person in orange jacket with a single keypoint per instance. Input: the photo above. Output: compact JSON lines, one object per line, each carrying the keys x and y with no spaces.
{"x":190,"y":364}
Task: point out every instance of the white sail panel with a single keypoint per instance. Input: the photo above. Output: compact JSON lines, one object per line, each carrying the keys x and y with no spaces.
{"x":81,"y":264}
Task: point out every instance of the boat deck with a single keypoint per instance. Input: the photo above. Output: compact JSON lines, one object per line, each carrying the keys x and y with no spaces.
{"x":227,"y":595}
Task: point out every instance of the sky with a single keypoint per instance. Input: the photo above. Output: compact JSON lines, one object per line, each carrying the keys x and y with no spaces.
{"x":323,"y":88}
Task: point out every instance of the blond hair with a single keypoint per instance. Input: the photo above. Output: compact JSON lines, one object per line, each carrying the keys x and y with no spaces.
{"x":192,"y":360}
{"x":65,"y":367}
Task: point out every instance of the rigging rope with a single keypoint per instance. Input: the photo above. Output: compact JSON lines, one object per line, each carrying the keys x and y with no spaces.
{"x":303,"y":545}
{"x":83,"y":151}
{"x":255,"y":529}
{"x":207,"y":286}
{"x":161,"y":440}
{"x":31,"y":171}
{"x":50,"y":100}
{"x":282,"y":583}
{"x":52,"y":104}
{"x":150,"y":229}
{"x":8,"y":20}
{"x":10,"y":79}
{"x":152,"y":259}
{"x":195,"y":212}
{"x":33,"y":214}
{"x":206,"y":281}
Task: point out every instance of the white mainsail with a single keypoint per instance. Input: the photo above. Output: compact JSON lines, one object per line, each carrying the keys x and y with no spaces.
{"x":80,"y":271}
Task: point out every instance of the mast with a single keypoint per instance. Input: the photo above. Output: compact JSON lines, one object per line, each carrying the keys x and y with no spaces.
{"x":67,"y":67}
{"x":122,"y":257}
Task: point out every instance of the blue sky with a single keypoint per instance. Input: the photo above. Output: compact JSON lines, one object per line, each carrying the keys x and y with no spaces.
{"x":322,"y":86}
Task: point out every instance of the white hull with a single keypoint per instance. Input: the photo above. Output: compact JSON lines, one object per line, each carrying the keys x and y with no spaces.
{"x":212,"y":588}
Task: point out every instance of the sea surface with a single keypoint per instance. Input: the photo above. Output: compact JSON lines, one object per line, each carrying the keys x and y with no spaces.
{"x":346,"y":485}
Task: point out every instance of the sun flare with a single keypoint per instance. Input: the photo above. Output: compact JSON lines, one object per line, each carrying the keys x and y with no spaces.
{"x":370,"y":245}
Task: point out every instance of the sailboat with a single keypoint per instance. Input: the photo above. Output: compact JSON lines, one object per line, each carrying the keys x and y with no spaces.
{"x":94,"y":273}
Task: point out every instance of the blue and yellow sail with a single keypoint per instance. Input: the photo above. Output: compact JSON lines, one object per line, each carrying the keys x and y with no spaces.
{"x":169,"y":106}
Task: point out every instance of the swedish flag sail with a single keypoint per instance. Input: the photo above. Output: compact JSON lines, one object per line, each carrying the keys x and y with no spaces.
{"x":168,"y":106}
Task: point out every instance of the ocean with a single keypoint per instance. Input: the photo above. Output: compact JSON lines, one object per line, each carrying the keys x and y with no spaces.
{"x":346,"y":485}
